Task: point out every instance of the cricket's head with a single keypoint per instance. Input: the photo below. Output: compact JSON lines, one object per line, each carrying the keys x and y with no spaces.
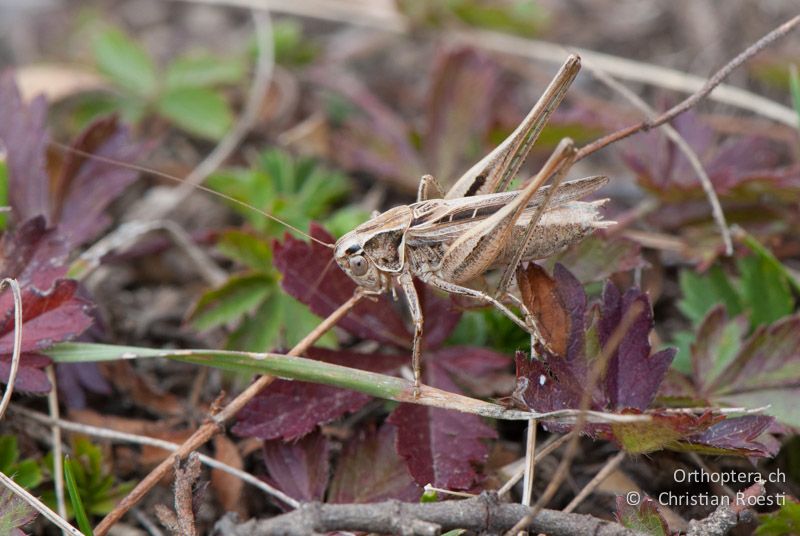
{"x":350,"y":256}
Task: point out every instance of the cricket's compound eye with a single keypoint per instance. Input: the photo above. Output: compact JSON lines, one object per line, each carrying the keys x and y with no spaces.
{"x":358,"y":265}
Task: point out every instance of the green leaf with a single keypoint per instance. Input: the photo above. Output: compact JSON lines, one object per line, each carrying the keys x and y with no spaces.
{"x":345,"y":220}
{"x":701,"y":292}
{"x":280,"y":321}
{"x":765,"y":290}
{"x":125,"y":62}
{"x":239,"y":294}
{"x":75,"y":498}
{"x":9,"y":452}
{"x":794,"y":88}
{"x":784,"y":522}
{"x":27,"y":473}
{"x":291,"y":47}
{"x":644,"y":517}
{"x":455,"y":532}
{"x":683,"y":358}
{"x":203,"y":71}
{"x":247,"y":249}
{"x":200,"y":111}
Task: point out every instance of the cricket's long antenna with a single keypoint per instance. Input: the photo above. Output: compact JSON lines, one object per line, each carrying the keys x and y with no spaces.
{"x":164,"y":175}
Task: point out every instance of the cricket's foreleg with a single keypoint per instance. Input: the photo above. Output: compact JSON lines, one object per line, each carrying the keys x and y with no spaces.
{"x":453,"y":288}
{"x":429,"y":189}
{"x":407,"y":283}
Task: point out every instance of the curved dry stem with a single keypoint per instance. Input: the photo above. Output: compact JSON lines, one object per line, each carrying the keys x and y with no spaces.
{"x":696,"y":97}
{"x":17,"y":351}
{"x":38,"y":505}
{"x":55,"y":434}
{"x":683,"y":146}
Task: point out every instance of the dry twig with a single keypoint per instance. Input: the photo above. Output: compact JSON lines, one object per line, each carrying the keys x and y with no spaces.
{"x":484,"y":514}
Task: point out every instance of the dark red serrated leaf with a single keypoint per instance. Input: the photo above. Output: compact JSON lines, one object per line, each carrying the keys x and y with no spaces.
{"x":633,"y":375}
{"x":440,"y":447}
{"x":442,"y":314}
{"x":35,"y":256}
{"x":732,"y":164}
{"x":24,"y":137}
{"x":76,"y":379}
{"x":291,"y":409}
{"x":311,"y":276}
{"x":549,"y":385}
{"x":299,"y":469}
{"x":30,"y":376}
{"x":739,"y":434}
{"x":762,"y":372}
{"x":460,"y":101}
{"x":663,"y":430}
{"x":47,"y":318}
{"x":82,"y":217}
{"x":369,"y":470}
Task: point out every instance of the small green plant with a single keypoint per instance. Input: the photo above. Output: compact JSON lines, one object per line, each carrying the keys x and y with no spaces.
{"x":25,"y":472}
{"x":297,"y":191}
{"x":762,"y":292}
{"x":96,"y":485}
{"x":187,"y":92}
{"x":784,"y":522}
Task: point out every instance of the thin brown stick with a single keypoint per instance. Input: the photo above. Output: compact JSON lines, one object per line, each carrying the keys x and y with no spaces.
{"x":17,"y":351}
{"x":595,"y":373}
{"x":216,"y":423}
{"x":55,"y":434}
{"x":598,"y":479}
{"x":530,"y":463}
{"x":549,"y":446}
{"x":683,"y":146}
{"x":693,"y":99}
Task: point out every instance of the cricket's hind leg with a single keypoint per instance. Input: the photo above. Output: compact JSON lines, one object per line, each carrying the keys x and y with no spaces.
{"x":429,"y":189}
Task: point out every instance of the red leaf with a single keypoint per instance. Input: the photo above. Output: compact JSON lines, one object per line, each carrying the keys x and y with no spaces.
{"x":739,"y":434}
{"x":35,"y":256}
{"x":369,"y":470}
{"x":440,"y":447}
{"x":24,"y":137}
{"x":30,"y":376}
{"x":633,"y":375}
{"x":48,"y":317}
{"x":56,"y":186}
{"x":82,"y":217}
{"x":311,"y":275}
{"x":299,"y":469}
{"x":291,"y":409}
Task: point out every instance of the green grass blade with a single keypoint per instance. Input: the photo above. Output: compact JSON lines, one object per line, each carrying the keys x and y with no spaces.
{"x":75,"y":499}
